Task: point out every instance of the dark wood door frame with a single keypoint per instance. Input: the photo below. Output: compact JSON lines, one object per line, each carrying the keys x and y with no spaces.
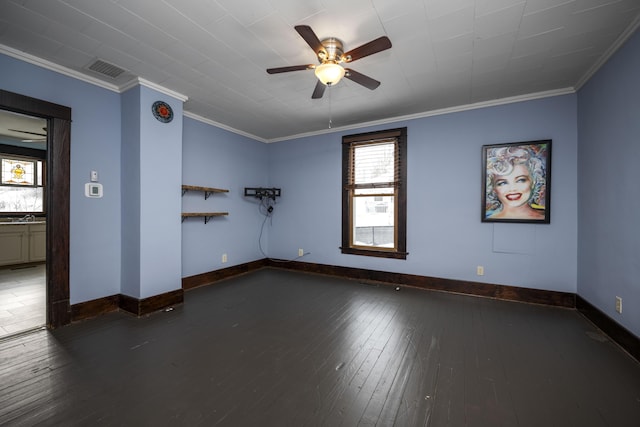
{"x":57,"y":198}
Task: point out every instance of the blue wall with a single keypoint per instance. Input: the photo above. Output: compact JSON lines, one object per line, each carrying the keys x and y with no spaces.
{"x":445,"y":237}
{"x":214,"y":157}
{"x":160,"y":178}
{"x":609,"y":200}
{"x":95,"y":145}
{"x":151,"y":173}
{"x":130,"y":193}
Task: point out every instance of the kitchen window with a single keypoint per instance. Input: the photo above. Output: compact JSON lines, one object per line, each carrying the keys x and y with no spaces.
{"x":21,"y":185}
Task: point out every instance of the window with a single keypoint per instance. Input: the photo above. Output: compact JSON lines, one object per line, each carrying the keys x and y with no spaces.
{"x":374,"y":196}
{"x":21,"y":185}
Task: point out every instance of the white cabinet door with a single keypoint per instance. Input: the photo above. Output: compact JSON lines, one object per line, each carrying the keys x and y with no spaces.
{"x":37,"y":242}
{"x":14,"y":244}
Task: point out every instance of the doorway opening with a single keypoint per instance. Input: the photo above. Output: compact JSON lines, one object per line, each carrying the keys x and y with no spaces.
{"x":23,"y":145}
{"x":53,"y":262}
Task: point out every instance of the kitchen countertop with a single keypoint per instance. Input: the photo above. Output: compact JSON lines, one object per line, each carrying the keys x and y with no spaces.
{"x":21,"y":222}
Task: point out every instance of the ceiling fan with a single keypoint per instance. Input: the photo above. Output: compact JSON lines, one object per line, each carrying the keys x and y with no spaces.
{"x":330,"y":55}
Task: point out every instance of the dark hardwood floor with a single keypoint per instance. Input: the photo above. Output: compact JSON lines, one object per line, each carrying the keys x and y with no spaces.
{"x":282,"y":348}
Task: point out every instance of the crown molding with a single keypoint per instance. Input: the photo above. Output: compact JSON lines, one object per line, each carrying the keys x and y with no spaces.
{"x":43,"y":63}
{"x":222,"y":126}
{"x":626,"y":34}
{"x":138,"y":81}
{"x":457,"y":109}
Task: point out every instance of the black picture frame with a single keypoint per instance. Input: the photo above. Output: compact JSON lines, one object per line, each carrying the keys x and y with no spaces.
{"x":516,"y":182}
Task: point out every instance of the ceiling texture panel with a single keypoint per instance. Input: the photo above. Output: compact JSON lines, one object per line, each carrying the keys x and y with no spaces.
{"x":445,"y":54}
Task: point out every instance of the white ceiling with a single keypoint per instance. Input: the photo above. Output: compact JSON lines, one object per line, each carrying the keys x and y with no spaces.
{"x":445,"y":54}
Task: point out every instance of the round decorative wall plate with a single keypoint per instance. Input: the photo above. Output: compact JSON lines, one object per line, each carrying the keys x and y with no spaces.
{"x":162,"y":111}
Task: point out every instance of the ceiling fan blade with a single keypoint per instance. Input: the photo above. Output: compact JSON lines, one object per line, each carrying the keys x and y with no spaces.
{"x":319,"y":90}
{"x":360,"y":78}
{"x":27,"y":132}
{"x":310,"y":37}
{"x":374,"y":46}
{"x":291,"y":68}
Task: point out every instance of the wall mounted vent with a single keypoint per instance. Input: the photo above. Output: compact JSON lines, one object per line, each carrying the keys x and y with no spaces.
{"x":106,"y":69}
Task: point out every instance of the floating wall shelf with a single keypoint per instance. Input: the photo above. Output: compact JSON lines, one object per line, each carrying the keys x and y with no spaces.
{"x":207,"y":192}
{"x":206,"y":215}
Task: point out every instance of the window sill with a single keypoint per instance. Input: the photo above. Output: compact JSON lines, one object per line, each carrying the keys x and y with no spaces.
{"x":374,"y":253}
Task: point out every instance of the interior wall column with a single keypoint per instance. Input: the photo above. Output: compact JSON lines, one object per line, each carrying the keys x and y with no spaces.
{"x":151,"y":199}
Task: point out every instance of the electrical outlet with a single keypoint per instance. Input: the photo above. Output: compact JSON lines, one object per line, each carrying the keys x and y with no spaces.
{"x":480,"y":270}
{"x":224,"y":258}
{"x":300,"y":252}
{"x":619,"y":305}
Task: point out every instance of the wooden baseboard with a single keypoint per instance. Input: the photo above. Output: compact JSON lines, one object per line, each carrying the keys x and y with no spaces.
{"x":217,"y":275}
{"x":142,"y":307}
{"x":94,"y":308}
{"x":88,"y":309}
{"x":503,"y":292}
{"x":624,"y":338}
{"x":139,"y":307}
{"x":511,"y":293}
{"x":158,"y":302}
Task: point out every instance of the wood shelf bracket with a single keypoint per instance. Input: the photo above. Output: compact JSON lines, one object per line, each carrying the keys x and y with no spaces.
{"x":206,"y":215}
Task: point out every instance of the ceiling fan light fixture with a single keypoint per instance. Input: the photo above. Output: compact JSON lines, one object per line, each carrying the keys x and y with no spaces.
{"x":329,"y":73}
{"x":331,"y":55}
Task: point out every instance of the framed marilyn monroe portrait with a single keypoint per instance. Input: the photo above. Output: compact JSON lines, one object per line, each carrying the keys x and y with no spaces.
{"x":516,"y":182}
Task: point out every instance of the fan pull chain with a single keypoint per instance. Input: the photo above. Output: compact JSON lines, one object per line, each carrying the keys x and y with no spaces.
{"x":329,"y":86}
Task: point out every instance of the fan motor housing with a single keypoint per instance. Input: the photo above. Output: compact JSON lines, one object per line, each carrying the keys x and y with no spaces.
{"x":332,"y":51}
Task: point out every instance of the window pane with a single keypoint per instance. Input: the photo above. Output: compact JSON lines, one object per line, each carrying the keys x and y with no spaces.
{"x":374,"y":163}
{"x":18,"y":172}
{"x":21,"y":199}
{"x":374,"y":221}
{"x":39,"y":174}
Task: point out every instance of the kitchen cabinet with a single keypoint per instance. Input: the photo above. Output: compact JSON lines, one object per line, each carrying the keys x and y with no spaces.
{"x":37,"y":242}
{"x":22,"y":243}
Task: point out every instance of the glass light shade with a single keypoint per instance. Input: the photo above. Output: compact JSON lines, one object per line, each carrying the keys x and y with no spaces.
{"x":329,"y":73}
